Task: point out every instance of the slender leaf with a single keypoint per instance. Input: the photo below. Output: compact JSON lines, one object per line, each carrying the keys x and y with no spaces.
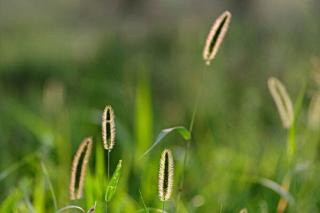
{"x":71,"y":207}
{"x":185,"y":134}
{"x":275,"y":187}
{"x":112,"y":185}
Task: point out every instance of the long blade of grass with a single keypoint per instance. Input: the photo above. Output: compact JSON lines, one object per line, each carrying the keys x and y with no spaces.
{"x":71,"y":207}
{"x":291,"y":146}
{"x":113,"y":183}
{"x":144,"y":204}
{"x":46,"y":174}
{"x":185,"y":134}
{"x":270,"y":184}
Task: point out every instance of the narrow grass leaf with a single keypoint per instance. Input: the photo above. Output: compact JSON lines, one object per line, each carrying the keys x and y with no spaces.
{"x":46,"y":174}
{"x":71,"y":207}
{"x":291,"y":141}
{"x":184,"y":133}
{"x":112,"y":185}
{"x":270,"y":184}
{"x":143,"y":203}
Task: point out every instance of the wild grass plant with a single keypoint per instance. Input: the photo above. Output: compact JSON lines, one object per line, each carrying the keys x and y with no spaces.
{"x":205,"y":167}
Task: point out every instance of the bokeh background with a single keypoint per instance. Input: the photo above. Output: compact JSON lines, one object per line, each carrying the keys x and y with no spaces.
{"x":61,"y":62}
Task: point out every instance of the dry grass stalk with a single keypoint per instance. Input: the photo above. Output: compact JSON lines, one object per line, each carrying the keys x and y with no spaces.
{"x":282,"y":100}
{"x":216,"y":35}
{"x":316,"y":69}
{"x":83,"y":152}
{"x":108,"y":128}
{"x":283,"y":203}
{"x":166,"y":175}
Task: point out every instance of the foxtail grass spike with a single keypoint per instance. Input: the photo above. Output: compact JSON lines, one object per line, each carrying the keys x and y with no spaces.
{"x":243,"y":210}
{"x":82,"y":156}
{"x":108,"y":128}
{"x":282,"y":100}
{"x":216,"y":35}
{"x":166,"y":175}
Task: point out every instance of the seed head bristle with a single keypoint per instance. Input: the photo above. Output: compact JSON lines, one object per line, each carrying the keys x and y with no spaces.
{"x":282,"y":100}
{"x":83,"y":152}
{"x":166,"y":172}
{"x":216,"y":35}
{"x":108,"y":128}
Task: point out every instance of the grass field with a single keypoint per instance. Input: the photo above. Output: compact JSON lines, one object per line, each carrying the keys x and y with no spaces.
{"x":61,"y":63}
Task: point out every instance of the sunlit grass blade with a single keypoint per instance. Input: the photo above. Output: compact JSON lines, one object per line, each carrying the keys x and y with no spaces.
{"x":270,"y":184}
{"x":185,"y":134}
{"x":113,"y":183}
{"x":71,"y":207}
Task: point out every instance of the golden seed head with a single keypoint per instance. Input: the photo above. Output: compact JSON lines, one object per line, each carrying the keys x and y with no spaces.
{"x":216,"y":35}
{"x":108,"y":128}
{"x":166,"y":175}
{"x":83,"y":152}
{"x":243,"y":210}
{"x":282,"y":100}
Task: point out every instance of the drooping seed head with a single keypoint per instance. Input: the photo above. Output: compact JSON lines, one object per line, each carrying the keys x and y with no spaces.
{"x":216,"y":35}
{"x":166,"y":175}
{"x":78,"y":169}
{"x":282,"y":100}
{"x":108,"y":128}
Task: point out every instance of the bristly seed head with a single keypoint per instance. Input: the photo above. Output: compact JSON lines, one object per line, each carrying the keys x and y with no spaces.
{"x":80,"y":161}
{"x":216,"y":35}
{"x":108,"y":128}
{"x":166,"y":175}
{"x":282,"y":100}
{"x":243,"y":210}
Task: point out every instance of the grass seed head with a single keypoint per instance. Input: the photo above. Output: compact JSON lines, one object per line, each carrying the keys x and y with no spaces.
{"x":282,"y":100}
{"x":166,"y":175}
{"x":77,"y":177}
{"x":108,"y":128}
{"x":216,"y":35}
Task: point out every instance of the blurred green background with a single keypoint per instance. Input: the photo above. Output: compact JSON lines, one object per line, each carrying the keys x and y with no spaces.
{"x":61,"y":62}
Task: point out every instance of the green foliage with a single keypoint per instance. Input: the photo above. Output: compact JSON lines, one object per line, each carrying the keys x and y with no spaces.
{"x":113,"y":183}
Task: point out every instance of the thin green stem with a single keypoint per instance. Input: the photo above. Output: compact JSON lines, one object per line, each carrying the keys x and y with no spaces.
{"x":163,"y":203}
{"x":108,"y":175}
{"x":187,"y":146}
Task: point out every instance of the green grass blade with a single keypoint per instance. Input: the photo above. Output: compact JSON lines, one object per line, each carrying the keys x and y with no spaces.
{"x":46,"y":174}
{"x":185,"y":134}
{"x":291,"y":141}
{"x":113,"y":183}
{"x":270,"y":184}
{"x":144,"y":204}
